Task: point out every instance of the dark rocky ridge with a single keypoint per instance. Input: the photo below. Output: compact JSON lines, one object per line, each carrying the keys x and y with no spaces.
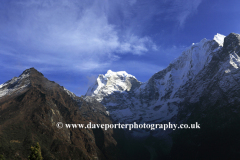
{"x":30,"y":116}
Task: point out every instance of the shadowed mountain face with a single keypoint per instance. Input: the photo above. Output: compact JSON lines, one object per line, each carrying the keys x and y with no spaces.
{"x":30,"y":107}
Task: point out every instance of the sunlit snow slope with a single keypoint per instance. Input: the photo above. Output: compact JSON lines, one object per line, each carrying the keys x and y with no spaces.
{"x":158,"y":99}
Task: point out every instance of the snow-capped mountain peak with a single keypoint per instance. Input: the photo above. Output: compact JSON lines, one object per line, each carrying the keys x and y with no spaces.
{"x":112,"y":82}
{"x":219,"y":38}
{"x":110,"y":73}
{"x":161,"y":95}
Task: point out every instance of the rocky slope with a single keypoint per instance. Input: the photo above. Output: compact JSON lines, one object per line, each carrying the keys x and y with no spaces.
{"x":30,"y":107}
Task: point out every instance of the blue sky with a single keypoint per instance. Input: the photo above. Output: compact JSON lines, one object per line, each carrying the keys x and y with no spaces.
{"x":72,"y":41}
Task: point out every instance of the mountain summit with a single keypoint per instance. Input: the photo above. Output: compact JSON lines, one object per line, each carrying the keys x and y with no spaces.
{"x":202,"y":85}
{"x":30,"y":108}
{"x":157,"y":99}
{"x":112,"y":82}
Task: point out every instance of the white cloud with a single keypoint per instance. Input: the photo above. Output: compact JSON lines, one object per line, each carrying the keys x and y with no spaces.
{"x":79,"y":34}
{"x":65,"y":32}
{"x":136,"y":45}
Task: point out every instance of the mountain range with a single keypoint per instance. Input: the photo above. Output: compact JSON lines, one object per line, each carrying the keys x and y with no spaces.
{"x":158,"y":99}
{"x":202,"y":85}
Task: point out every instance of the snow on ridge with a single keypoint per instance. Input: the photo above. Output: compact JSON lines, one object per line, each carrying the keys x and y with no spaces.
{"x":219,"y":38}
{"x":71,"y":94}
{"x":119,"y":73}
{"x":185,"y":67}
{"x":189,"y":51}
{"x":167,"y":85}
{"x":193,"y":58}
{"x":110,"y":82}
{"x":234,"y":60}
{"x":15,"y":80}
